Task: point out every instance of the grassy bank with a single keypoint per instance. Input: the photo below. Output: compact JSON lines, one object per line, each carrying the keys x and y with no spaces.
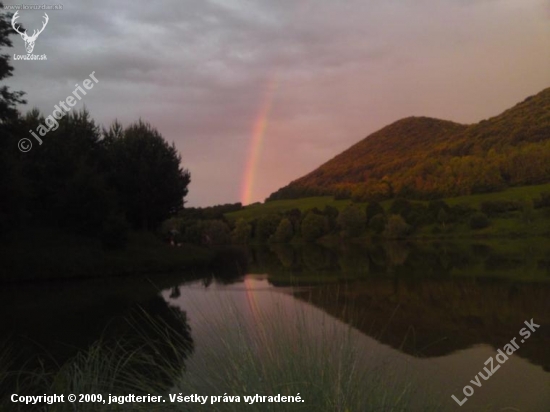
{"x":36,"y":254}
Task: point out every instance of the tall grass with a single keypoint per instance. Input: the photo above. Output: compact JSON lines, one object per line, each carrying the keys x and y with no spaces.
{"x":287,"y":352}
{"x":292,"y":349}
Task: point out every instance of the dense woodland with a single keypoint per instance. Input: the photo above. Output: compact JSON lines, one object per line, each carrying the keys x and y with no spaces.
{"x":424,"y":158}
{"x":82,"y":178}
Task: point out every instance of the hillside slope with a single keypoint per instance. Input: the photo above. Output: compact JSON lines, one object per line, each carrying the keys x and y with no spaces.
{"x":420,"y":157}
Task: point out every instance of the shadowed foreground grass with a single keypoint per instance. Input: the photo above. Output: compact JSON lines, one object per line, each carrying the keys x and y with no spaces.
{"x":286,"y":354}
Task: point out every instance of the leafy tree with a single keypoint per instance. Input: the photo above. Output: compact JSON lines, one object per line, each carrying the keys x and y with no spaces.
{"x":215,"y":232}
{"x":373,"y":209}
{"x":443,"y":218}
{"x":284,"y":231}
{"x":527,"y":211}
{"x":462,"y":211}
{"x":493,"y":208}
{"x":313,"y":227}
{"x":147,"y":174}
{"x":378,"y":223}
{"x":242,"y":232}
{"x":193,"y":232}
{"x":542,"y":201}
{"x":266,"y":226}
{"x":352,"y":220}
{"x":13,"y":188}
{"x":397,"y":227}
{"x":400,"y":207}
{"x":295,"y":217}
{"x":8,"y":99}
{"x":114,"y":232}
{"x":435,"y":206}
{"x":331,"y":213}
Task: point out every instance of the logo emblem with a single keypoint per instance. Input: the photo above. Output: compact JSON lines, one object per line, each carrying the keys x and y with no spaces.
{"x":29,"y":40}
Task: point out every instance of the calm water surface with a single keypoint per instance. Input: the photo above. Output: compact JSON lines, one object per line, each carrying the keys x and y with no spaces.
{"x":421,"y":316}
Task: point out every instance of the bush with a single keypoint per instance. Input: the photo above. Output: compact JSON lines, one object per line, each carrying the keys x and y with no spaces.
{"x":542,"y":201}
{"x":397,"y":227}
{"x":400,"y":207}
{"x":378,"y":223}
{"x":493,"y":208}
{"x":418,"y":215}
{"x":352,"y":220}
{"x":435,"y":207}
{"x":462,"y":211}
{"x":313,"y":227}
{"x":479,"y":221}
{"x":527,"y":211}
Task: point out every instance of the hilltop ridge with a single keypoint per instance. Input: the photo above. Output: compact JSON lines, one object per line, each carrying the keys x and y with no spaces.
{"x":425,"y":158}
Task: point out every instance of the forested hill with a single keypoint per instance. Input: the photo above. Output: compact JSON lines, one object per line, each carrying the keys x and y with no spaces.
{"x":424,"y":158}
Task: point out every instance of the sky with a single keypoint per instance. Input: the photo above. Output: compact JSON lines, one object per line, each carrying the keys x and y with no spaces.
{"x":255,"y":94}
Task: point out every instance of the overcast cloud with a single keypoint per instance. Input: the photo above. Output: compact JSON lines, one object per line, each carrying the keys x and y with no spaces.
{"x":198,"y":71}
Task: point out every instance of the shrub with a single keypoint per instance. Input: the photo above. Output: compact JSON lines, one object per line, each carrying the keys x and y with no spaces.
{"x":378,"y":223}
{"x":527,"y":211}
{"x":479,"y":221}
{"x":462,"y":211}
{"x":418,"y":215}
{"x":495,"y":207}
{"x":542,"y":201}
{"x":443,"y":217}
{"x":435,"y":206}
{"x":400,"y":207}
{"x":397,"y":227}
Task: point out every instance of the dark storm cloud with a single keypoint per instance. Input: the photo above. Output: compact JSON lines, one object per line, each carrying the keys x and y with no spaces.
{"x":198,"y":70}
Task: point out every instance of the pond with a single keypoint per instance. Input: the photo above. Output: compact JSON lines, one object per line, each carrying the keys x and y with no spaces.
{"x":382,"y":326}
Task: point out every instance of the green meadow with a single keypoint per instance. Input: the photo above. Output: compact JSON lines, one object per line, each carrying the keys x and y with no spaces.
{"x":510,"y":224}
{"x":279,"y":206}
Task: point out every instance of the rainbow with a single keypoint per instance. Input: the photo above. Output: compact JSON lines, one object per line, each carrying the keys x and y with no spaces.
{"x":258,"y":133}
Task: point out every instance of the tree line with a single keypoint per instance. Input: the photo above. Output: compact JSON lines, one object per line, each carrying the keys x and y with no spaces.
{"x":89,"y":180}
{"x":81,"y":177}
{"x":402,"y":218}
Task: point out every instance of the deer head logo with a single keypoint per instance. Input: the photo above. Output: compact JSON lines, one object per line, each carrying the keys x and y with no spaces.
{"x":29,"y":40}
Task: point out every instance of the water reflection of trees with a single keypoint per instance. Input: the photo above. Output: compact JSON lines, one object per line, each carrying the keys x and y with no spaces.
{"x":148,"y":330}
{"x":452,"y":295}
